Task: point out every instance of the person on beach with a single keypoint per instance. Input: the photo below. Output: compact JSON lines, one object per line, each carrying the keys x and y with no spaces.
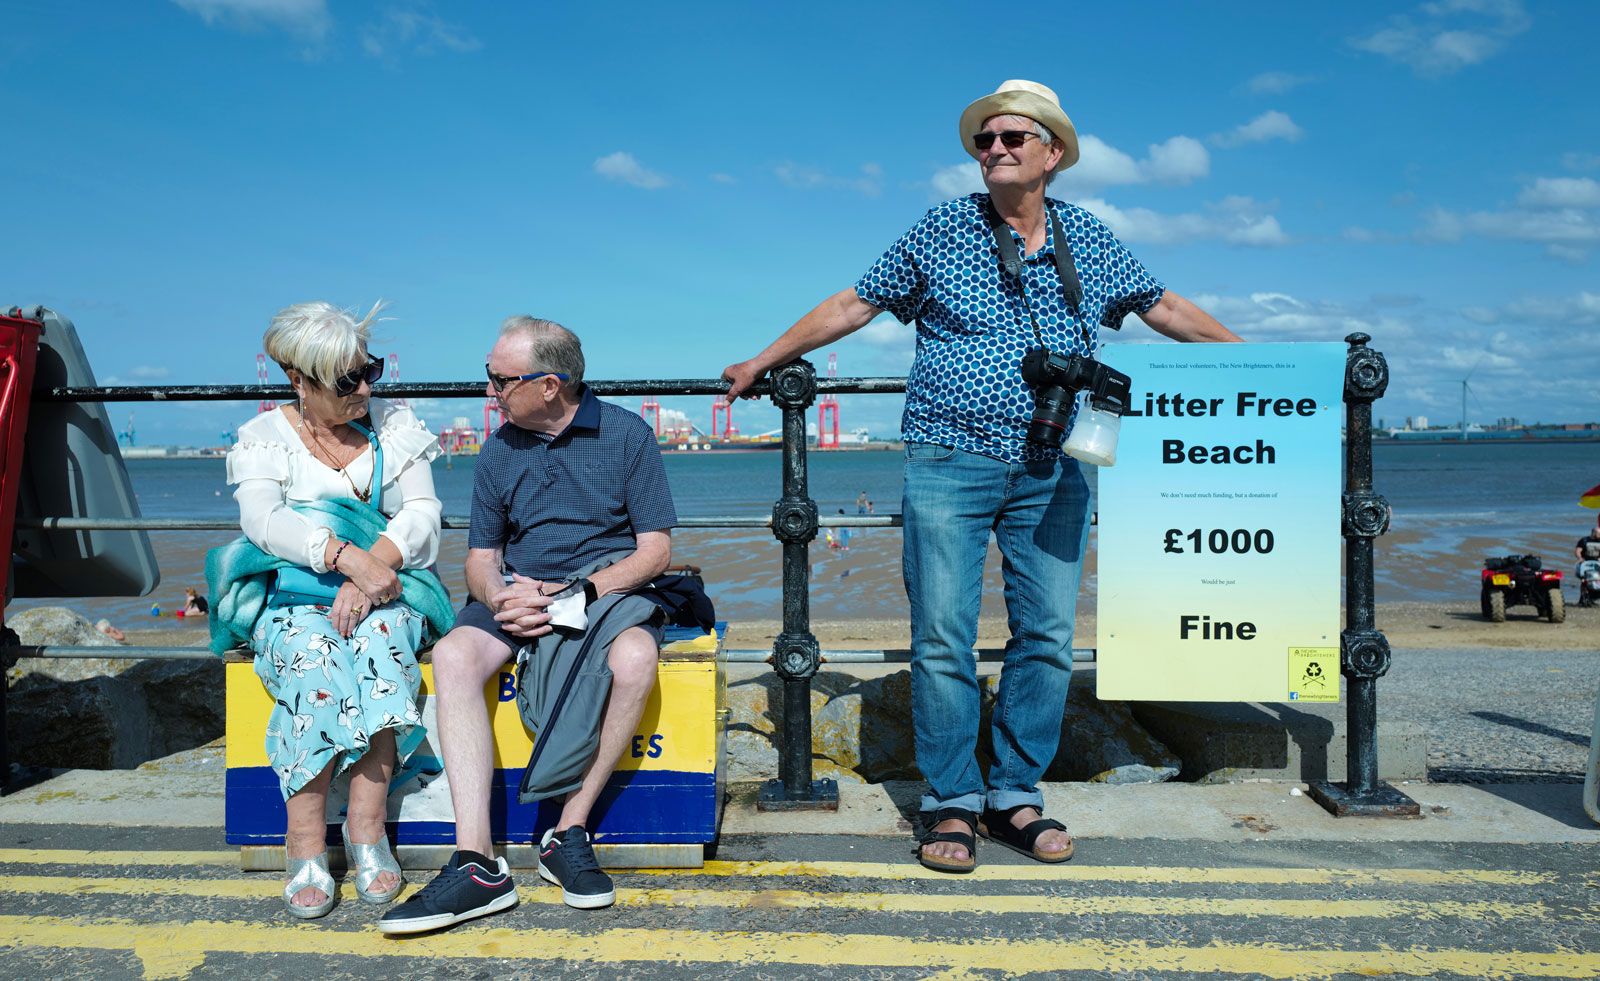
{"x":106,"y":627}
{"x":1588,"y":544}
{"x":1587,"y":552}
{"x":329,"y":586}
{"x":970,"y":470}
{"x":568,"y":483}
{"x":194,"y":605}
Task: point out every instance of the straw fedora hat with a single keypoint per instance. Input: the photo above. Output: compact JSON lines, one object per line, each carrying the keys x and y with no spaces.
{"x":1019,"y":97}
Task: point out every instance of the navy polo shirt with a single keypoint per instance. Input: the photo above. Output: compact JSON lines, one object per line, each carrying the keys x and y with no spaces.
{"x":553,"y":504}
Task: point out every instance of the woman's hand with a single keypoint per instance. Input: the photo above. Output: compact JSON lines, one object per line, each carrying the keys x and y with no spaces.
{"x":370,"y":575}
{"x":350,"y":607}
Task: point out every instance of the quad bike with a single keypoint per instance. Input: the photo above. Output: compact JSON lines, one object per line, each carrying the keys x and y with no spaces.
{"x":1520,"y":580}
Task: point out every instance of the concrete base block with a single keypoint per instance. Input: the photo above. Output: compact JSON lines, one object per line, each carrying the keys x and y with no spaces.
{"x":1228,"y":743}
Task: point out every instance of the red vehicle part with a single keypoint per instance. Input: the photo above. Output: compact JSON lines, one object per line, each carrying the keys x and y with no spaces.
{"x":19,"y":351}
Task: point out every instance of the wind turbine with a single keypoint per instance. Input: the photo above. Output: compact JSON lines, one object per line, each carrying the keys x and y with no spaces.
{"x":1466,"y":388}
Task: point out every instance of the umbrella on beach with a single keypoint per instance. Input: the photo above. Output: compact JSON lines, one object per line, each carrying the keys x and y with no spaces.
{"x":1591,"y":497}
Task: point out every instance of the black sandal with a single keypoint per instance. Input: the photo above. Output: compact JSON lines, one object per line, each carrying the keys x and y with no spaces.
{"x":968,"y":840}
{"x":997,"y":827}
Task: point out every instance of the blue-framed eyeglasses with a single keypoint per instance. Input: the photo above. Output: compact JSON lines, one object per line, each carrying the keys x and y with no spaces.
{"x":499,"y":382}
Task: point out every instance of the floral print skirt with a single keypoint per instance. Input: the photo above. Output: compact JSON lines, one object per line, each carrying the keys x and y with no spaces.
{"x":334,"y":693}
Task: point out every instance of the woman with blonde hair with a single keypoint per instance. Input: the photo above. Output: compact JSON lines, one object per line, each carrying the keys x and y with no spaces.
{"x":331,"y":587}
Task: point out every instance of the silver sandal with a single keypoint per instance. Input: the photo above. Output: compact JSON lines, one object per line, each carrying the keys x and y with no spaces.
{"x":367,"y":862}
{"x":309,"y":873}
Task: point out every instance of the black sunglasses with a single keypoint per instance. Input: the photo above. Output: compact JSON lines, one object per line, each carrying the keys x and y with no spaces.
{"x":501,"y":381}
{"x":347,"y":383}
{"x":1011,"y":139}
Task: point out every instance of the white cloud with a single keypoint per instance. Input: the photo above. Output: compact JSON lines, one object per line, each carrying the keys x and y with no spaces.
{"x":622,"y":166}
{"x":1178,"y":160}
{"x":1270,"y":125}
{"x":724,"y":178}
{"x":148,"y":373}
{"x":957,"y":179}
{"x":1560,"y":213}
{"x":1580,"y":161}
{"x":1561,"y":192}
{"x":1567,"y":225}
{"x":1447,"y":36}
{"x":415,"y":31}
{"x":305,"y":19}
{"x":1275,"y":83}
{"x":1581,"y":309}
{"x":805,"y":177}
{"x":1234,"y":220}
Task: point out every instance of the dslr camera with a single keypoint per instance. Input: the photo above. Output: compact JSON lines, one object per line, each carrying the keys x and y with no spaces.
{"x":1057,"y":383}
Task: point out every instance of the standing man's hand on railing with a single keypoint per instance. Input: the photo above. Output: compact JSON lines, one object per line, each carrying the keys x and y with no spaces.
{"x":842,"y":313}
{"x":741,"y":376}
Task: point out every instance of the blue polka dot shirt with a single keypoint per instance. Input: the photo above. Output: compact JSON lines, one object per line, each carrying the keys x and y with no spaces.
{"x":965,"y":388}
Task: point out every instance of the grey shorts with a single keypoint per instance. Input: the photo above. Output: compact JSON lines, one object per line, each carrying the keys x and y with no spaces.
{"x":476,"y":614}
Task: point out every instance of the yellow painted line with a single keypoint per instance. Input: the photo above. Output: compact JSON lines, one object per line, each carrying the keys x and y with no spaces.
{"x":909,"y":870}
{"x":176,"y":944}
{"x":1124,"y":873}
{"x":67,"y":856}
{"x":877,"y":902}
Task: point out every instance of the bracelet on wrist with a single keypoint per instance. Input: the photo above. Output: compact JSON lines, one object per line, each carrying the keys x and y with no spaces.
{"x":334,"y":565}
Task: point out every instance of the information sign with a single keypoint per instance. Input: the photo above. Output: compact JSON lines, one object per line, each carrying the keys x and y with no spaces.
{"x":1219,"y":525}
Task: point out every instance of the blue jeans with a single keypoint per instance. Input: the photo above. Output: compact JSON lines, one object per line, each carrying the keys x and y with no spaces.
{"x":1039,"y":514}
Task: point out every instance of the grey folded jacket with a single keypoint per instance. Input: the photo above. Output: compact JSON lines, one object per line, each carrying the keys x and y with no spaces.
{"x":562,"y":683}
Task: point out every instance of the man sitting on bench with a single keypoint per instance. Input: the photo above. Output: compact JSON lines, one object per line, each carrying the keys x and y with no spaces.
{"x":566,"y":482}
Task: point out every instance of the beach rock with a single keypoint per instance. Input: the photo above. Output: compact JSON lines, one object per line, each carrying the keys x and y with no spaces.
{"x":868,"y":729}
{"x":751,"y":755}
{"x":822,"y":768}
{"x":757,"y":703}
{"x":149,"y":710}
{"x":58,"y":626}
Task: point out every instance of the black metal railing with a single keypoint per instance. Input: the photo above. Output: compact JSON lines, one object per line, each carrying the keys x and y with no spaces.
{"x":796,"y":656}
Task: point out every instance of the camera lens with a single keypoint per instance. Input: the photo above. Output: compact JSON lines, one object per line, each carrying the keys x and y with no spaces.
{"x":1052,"y":413}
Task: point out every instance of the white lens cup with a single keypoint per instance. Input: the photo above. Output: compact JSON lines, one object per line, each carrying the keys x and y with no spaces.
{"x":1094,"y":434}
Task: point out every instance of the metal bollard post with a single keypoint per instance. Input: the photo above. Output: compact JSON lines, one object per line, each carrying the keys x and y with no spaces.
{"x":796,"y":654}
{"x":1365,"y":650}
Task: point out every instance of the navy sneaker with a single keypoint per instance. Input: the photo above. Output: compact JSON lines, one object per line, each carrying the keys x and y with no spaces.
{"x":465,"y":888}
{"x":567,"y":860}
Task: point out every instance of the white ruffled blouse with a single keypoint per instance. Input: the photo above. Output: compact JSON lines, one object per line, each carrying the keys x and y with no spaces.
{"x":273,"y":469}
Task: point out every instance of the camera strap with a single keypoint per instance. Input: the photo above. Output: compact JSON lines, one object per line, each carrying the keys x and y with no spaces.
{"x":1066,"y":269}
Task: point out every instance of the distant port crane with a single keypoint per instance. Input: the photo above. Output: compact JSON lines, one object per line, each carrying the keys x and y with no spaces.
{"x":265,"y":405}
{"x":394,"y":375}
{"x":828,"y":406}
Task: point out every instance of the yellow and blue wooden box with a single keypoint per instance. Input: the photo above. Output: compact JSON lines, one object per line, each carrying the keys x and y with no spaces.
{"x":660,"y":807}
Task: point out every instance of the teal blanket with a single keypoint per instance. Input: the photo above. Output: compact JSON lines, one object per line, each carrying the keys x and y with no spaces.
{"x":239,"y":575}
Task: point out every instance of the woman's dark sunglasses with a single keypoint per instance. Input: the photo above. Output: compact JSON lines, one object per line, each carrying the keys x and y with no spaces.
{"x":347,"y":383}
{"x":501,"y":381}
{"x":1010,"y":139}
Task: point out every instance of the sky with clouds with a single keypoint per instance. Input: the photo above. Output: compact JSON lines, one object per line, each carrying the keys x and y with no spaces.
{"x":678,"y":183}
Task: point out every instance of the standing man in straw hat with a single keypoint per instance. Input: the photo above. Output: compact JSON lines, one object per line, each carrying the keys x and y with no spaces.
{"x":970,"y":470}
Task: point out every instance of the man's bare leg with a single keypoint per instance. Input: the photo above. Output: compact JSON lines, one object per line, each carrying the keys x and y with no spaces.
{"x":462,"y":663}
{"x":632,"y":658}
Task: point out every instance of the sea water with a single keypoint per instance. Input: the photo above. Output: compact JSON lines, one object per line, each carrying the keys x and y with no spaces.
{"x":1453,"y":503}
